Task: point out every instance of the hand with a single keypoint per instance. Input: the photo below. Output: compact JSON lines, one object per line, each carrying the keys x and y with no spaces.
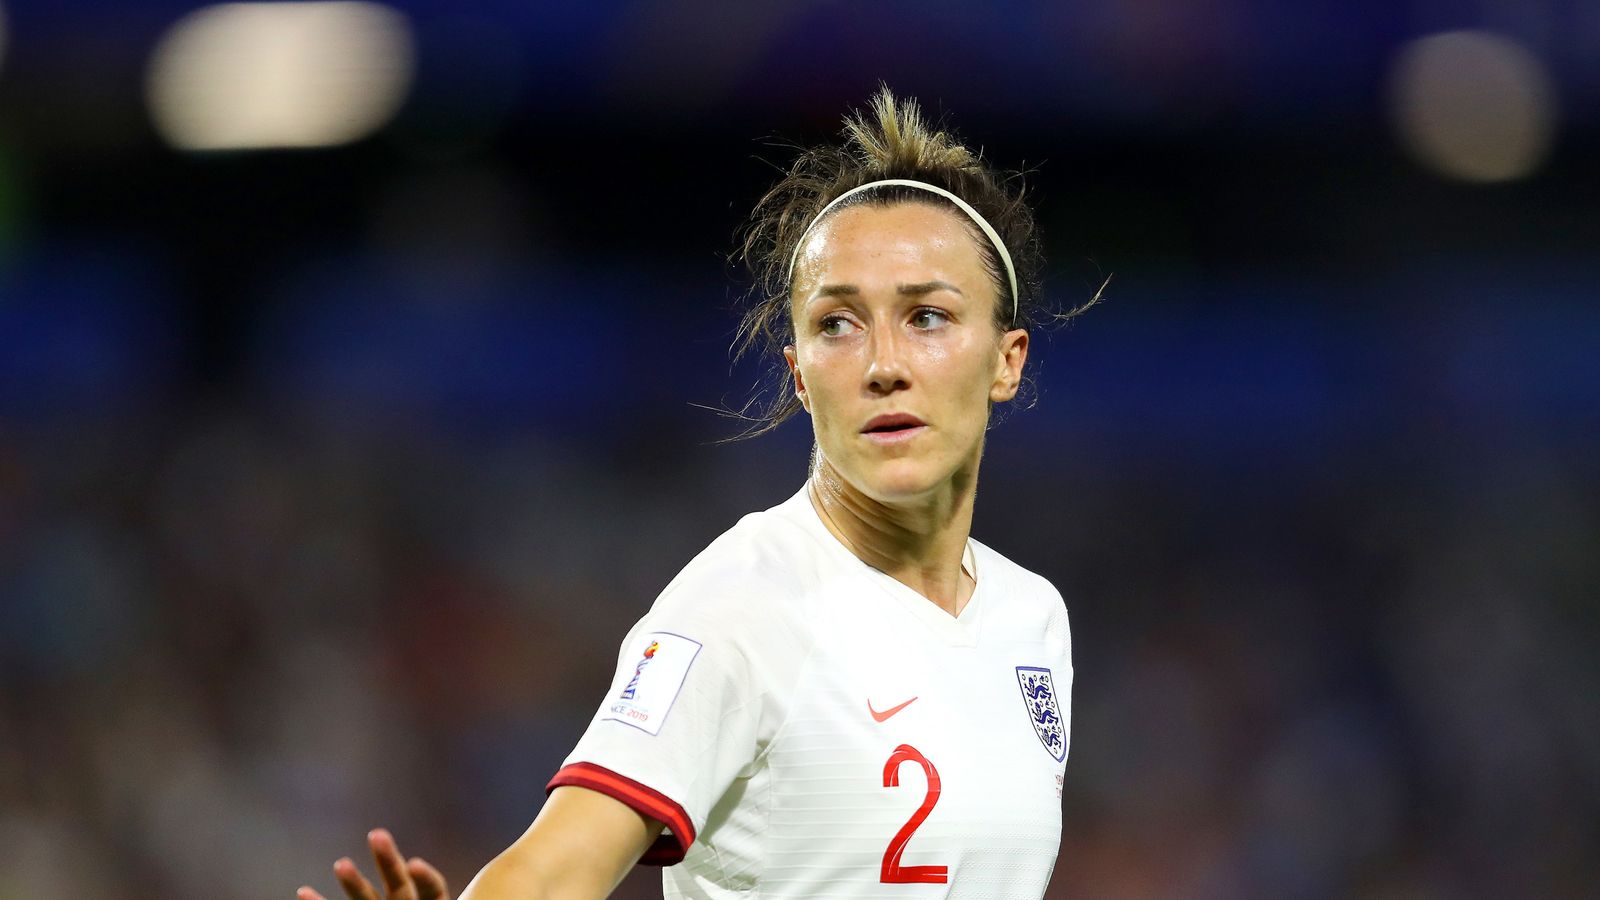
{"x":403,"y":879}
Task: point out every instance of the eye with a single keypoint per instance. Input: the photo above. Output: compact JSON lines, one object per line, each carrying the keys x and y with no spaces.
{"x":927,"y":317}
{"x":834,"y":325}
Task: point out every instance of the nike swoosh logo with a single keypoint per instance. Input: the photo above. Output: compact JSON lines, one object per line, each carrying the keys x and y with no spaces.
{"x":881,"y":716}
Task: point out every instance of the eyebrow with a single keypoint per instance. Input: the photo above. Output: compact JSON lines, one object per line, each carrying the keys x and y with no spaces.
{"x":910,"y":290}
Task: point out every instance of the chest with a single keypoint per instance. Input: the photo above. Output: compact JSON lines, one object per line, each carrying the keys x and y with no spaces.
{"x":908,"y":760}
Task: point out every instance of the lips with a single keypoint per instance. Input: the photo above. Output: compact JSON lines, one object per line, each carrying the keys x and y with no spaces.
{"x":892,"y":423}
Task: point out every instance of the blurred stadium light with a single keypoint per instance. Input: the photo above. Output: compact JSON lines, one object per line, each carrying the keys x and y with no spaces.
{"x":260,"y":75}
{"x":1473,"y":105}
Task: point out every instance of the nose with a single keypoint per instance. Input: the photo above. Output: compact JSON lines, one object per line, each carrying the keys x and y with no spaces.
{"x":886,"y":367}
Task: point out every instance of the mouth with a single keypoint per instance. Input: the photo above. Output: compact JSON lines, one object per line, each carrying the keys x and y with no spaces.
{"x":893,"y":428}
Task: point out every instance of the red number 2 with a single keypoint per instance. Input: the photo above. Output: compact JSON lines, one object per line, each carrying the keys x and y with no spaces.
{"x":893,"y":872}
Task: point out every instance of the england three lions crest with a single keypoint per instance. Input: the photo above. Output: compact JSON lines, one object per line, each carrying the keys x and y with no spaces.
{"x":1039,"y":694}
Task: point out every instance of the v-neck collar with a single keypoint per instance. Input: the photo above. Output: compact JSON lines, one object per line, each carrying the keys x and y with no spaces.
{"x":957,"y":631}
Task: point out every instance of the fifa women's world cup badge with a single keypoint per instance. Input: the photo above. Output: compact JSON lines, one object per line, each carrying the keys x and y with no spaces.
{"x":633,"y":686}
{"x":1039,"y":694}
{"x":663,"y":664}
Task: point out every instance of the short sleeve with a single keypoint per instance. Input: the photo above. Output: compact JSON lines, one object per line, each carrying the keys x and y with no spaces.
{"x":679,"y":721}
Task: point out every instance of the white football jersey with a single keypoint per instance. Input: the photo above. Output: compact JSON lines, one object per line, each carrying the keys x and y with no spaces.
{"x":806,"y":726}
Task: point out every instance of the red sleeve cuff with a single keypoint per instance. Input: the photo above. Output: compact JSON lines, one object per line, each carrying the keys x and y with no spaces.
{"x":673,"y":843}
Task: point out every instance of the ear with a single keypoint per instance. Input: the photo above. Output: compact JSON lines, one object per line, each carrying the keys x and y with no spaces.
{"x":1012,"y":354}
{"x":799,"y":379}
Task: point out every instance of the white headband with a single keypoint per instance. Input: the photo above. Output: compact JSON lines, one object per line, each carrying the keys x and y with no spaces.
{"x":994,"y":236}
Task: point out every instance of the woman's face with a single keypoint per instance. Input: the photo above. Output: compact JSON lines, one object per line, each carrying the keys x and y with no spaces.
{"x":896,"y":355}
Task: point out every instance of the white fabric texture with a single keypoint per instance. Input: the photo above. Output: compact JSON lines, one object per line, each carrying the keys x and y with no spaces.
{"x":773,"y":746}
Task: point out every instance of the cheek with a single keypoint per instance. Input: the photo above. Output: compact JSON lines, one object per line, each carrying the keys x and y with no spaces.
{"x":824,"y":370}
{"x":971,"y":375}
{"x":832,"y":363}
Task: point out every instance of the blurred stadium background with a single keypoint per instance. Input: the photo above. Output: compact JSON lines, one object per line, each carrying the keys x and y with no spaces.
{"x":347,"y":353}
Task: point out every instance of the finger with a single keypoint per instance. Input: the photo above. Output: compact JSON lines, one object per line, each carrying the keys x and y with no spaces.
{"x":306,"y":893}
{"x":391,"y":865}
{"x":355,"y":885}
{"x":430,"y":883}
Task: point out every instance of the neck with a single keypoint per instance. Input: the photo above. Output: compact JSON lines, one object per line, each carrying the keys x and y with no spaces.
{"x":918,"y":544}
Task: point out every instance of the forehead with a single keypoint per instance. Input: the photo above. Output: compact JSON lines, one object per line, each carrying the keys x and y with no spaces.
{"x":904,"y":241}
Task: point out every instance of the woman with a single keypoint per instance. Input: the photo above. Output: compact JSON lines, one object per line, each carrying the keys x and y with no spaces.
{"x":843,"y":694}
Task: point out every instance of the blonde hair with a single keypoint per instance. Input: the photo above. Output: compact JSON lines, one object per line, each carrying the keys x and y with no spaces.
{"x":889,"y":139}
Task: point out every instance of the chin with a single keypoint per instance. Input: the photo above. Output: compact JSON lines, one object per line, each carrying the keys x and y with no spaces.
{"x":901,"y":480}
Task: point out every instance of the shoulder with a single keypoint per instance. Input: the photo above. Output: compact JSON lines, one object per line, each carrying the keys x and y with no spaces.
{"x":750,"y":579}
{"x":1036,"y":598}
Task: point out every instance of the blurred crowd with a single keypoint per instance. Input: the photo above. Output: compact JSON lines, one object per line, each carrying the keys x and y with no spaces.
{"x":351,"y":410}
